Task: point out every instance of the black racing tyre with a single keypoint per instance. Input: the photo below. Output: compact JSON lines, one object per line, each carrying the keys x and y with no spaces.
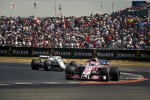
{"x":35,"y":64}
{"x":104,"y":72}
{"x":47,"y":65}
{"x":70,"y":69}
{"x":61,"y":69}
{"x":73,"y":63}
{"x":114,"y":73}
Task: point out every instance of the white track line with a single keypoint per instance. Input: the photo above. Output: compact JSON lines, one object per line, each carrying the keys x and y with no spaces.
{"x":51,"y":82}
{"x":73,"y":82}
{"x":37,"y":83}
{"x":22,"y":83}
{"x":5,"y":84}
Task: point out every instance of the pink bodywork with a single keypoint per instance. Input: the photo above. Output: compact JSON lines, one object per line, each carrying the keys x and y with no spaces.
{"x":91,"y":66}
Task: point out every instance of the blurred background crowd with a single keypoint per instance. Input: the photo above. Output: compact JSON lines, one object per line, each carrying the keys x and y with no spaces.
{"x":101,"y":31}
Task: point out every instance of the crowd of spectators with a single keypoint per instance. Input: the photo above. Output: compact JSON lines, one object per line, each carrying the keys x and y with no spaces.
{"x":101,"y":31}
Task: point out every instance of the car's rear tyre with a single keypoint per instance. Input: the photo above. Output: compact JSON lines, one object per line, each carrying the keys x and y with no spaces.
{"x":70,"y":71}
{"x":104,"y":72}
{"x":114,"y":73}
{"x":61,"y":69}
{"x":35,"y":64}
{"x":47,"y":65}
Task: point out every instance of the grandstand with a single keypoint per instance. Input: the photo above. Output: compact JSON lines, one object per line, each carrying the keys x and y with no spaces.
{"x":124,"y":29}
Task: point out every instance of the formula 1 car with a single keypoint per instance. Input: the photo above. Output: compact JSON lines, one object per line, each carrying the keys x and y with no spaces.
{"x":94,"y":69}
{"x":49,"y":63}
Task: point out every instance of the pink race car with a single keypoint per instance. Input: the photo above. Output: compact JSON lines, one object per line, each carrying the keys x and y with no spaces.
{"x":94,"y":69}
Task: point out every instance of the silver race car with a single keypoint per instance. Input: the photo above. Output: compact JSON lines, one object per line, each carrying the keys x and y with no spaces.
{"x":48,"y":63}
{"x":94,"y":69}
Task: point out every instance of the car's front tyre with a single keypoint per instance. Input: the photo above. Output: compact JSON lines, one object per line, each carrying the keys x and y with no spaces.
{"x":70,"y":71}
{"x":114,"y":73}
{"x":35,"y":64}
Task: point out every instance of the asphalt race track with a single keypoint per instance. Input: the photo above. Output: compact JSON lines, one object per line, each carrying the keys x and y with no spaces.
{"x":19,"y":82}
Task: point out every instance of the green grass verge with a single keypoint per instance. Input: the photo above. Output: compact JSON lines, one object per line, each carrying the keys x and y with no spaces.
{"x":82,"y":61}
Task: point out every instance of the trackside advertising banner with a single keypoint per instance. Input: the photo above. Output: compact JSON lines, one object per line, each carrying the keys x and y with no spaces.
{"x":141,"y":55}
{"x":73,"y":53}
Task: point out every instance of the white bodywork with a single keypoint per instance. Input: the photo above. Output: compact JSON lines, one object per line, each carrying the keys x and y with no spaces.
{"x":54,"y":58}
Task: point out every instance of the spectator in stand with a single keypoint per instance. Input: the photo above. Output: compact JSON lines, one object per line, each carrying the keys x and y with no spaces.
{"x":94,"y":31}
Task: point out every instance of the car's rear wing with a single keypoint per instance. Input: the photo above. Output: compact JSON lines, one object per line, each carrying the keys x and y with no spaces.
{"x":44,"y":56}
